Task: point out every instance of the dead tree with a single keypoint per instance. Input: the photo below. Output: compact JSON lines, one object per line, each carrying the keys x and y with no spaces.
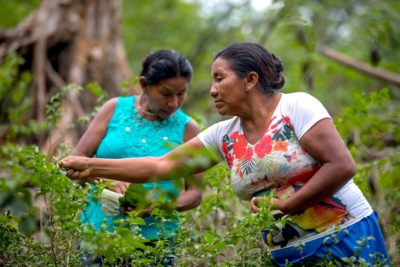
{"x":64,"y":42}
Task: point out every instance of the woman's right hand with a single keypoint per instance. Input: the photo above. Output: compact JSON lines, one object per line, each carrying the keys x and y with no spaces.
{"x":77,"y":167}
{"x":274,"y":204}
{"x":118,"y":186}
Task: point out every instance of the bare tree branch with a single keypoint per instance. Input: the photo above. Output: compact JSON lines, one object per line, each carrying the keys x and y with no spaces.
{"x":381,"y":74}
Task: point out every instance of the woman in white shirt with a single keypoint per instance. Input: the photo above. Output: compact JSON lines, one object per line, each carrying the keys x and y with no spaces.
{"x":284,"y":142}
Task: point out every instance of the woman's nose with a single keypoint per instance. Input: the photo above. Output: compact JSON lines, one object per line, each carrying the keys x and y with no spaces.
{"x":213,"y":91}
{"x":174,"y":102}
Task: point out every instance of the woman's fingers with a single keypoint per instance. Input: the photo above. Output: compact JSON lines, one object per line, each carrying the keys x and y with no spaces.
{"x":273,"y":204}
{"x":73,"y":174}
{"x":73,"y":162}
{"x":120,"y":187}
{"x":63,"y":164}
{"x":253,"y":204}
{"x":75,"y":166}
{"x":70,"y":172}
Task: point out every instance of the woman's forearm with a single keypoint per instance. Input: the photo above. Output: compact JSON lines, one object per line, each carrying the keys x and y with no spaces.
{"x":326,"y":182}
{"x":189,"y":199}
{"x":178,"y":163}
{"x":133,"y":170}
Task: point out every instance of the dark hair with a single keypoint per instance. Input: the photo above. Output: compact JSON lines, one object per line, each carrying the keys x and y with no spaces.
{"x":246,"y":57}
{"x":165,"y":64}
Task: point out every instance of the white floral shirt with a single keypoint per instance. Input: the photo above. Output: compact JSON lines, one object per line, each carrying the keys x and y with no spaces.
{"x":278,"y":156}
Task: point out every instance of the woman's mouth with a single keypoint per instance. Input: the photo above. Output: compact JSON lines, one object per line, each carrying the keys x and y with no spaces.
{"x":218,"y":103}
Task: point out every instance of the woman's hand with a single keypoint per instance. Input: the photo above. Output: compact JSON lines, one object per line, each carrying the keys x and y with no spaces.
{"x":119,"y":187}
{"x":144,"y":212}
{"x":274,"y":204}
{"x":115,"y":186}
{"x":77,"y":167}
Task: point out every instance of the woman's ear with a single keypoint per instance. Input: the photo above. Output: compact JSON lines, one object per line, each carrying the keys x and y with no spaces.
{"x":143,"y":84}
{"x":251,"y":80}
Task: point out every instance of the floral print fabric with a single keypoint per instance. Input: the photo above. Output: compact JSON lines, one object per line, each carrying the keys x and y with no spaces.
{"x":279,"y":157}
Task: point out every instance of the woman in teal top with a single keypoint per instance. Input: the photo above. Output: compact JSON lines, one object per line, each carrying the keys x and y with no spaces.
{"x":147,"y":125}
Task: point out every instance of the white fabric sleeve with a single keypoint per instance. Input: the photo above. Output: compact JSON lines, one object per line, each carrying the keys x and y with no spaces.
{"x":213,"y":135}
{"x":305,"y":112}
{"x":209,"y":136}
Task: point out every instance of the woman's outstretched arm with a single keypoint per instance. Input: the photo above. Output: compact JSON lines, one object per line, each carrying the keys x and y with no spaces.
{"x":187,"y":159}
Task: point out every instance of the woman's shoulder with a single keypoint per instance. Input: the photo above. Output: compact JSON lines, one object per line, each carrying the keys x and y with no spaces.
{"x":125,"y":102}
{"x":226,"y":126}
{"x":227,"y":123}
{"x":110,"y":104}
{"x":299,"y":101}
{"x":125,"y":99}
{"x":192,"y":129}
{"x":297,"y":96}
{"x":119,"y":105}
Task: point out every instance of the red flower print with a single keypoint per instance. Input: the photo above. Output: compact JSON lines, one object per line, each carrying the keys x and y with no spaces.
{"x":249,"y":154}
{"x":281,"y":146}
{"x":286,"y":120}
{"x":229,"y":160}
{"x":239,"y":147}
{"x":264,"y":146}
{"x":225,"y":148}
{"x":234,"y":135}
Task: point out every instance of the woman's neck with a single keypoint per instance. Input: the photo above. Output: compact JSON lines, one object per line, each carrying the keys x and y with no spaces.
{"x":144,"y":111}
{"x":258,"y":115}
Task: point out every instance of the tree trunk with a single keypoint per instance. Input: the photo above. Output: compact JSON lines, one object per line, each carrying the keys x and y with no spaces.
{"x":64,"y":42}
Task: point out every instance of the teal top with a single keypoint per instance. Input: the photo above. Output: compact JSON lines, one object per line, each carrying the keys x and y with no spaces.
{"x":129,"y":135}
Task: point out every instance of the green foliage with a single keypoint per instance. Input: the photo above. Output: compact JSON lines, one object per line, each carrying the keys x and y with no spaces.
{"x":38,"y":205}
{"x":142,"y":19}
{"x":220,"y":232}
{"x":53,"y":108}
{"x":371,"y":122}
{"x":133,"y":196}
{"x":101,"y":97}
{"x":15,"y":105}
{"x":13,"y":12}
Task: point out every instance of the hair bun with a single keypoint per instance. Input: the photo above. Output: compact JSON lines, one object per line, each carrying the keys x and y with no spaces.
{"x":277,"y":63}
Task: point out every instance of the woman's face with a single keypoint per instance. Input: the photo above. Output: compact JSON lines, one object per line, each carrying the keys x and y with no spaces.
{"x":165,"y":97}
{"x":227,"y":89}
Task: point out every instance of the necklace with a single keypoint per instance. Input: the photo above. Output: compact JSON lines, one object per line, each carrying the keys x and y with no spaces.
{"x":140,"y":120}
{"x":148,"y":113}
